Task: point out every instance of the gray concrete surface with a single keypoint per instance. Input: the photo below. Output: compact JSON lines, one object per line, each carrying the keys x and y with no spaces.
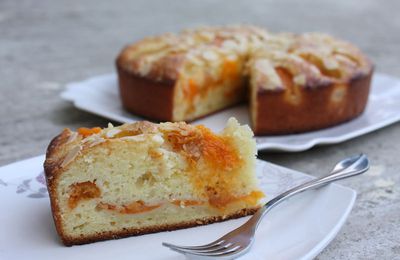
{"x":45,"y":44}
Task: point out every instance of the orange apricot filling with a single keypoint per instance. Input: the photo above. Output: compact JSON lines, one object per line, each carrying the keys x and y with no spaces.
{"x":217,"y":181}
{"x":191,"y":90}
{"x":218,"y":151}
{"x":85,"y":132}
{"x":131,"y":208}
{"x":88,"y":190}
{"x":221,"y":202}
{"x":187,"y":144}
{"x":187,"y":202}
{"x":222,"y":198}
{"x":82,"y":191}
{"x":137,"y":207}
{"x":230,"y":72}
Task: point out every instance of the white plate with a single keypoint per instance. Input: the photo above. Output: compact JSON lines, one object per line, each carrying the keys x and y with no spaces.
{"x":99,"y":95}
{"x":28,"y":231}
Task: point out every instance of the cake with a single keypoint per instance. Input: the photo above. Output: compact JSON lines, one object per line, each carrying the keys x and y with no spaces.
{"x":293,"y":83}
{"x":143,"y":177}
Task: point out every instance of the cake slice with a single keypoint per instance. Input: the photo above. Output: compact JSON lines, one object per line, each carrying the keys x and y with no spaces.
{"x":142,"y":178}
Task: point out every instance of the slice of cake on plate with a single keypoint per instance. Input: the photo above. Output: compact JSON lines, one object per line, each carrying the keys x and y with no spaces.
{"x":142,"y":177}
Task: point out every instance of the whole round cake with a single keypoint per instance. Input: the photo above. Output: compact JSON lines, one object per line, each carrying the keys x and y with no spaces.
{"x":293,"y":83}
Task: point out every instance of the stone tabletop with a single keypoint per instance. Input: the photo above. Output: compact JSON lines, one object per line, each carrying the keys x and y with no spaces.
{"x":45,"y":44}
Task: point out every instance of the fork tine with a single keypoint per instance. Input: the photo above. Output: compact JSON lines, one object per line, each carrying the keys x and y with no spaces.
{"x":222,"y":252}
{"x":212,"y":244}
{"x":213,"y":248}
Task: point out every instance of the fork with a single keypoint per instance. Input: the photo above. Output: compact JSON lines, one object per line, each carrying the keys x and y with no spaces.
{"x":239,"y":241}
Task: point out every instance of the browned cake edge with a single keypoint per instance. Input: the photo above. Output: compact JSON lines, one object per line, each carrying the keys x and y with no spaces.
{"x":145,"y":96}
{"x":148,"y":98}
{"x":70,"y":241}
{"x":277,"y":116}
{"x":51,"y":170}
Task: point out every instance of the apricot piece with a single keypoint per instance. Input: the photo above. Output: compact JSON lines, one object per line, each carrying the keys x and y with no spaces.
{"x":82,"y":191}
{"x":85,"y":132}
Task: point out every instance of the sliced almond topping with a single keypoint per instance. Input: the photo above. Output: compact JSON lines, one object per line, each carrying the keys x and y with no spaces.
{"x":137,"y":138}
{"x":330,"y":64}
{"x":158,"y":139}
{"x":229,"y":44}
{"x":300,"y":79}
{"x":112,"y":132}
{"x":71,"y":155}
{"x":96,"y":142}
{"x":210,"y":55}
{"x":72,"y":137}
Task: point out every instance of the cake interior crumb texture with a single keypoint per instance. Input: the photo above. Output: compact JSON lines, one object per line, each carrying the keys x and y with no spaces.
{"x":143,"y":177}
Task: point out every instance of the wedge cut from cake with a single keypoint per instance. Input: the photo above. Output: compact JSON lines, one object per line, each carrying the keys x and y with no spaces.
{"x":142,"y":177}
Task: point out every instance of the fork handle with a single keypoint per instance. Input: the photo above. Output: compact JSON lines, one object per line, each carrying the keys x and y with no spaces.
{"x":357,"y":167}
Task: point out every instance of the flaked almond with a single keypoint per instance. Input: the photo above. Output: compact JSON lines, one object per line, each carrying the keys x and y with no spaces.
{"x":96,"y":142}
{"x":71,"y":155}
{"x":144,"y":68}
{"x":158,"y":139}
{"x":112,"y":132}
{"x":72,"y":137}
{"x":210,"y":55}
{"x":230,"y":45}
{"x":136,"y":138}
{"x":330,"y":64}
{"x":207,"y":35}
{"x":300,"y":79}
{"x":267,"y":75}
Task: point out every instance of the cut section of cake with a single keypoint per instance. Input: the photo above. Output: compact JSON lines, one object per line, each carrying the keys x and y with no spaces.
{"x":186,"y":76}
{"x":142,"y":177}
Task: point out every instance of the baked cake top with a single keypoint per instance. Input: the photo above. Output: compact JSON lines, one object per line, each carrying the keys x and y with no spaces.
{"x":162,"y":57}
{"x":310,"y":59}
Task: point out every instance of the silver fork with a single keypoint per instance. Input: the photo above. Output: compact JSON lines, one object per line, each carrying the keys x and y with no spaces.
{"x":239,"y":241}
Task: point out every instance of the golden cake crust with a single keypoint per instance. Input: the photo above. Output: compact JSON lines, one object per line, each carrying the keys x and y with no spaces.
{"x":328,"y":75}
{"x":52,"y":166}
{"x":145,"y":96}
{"x":318,"y":81}
{"x":316,"y":110}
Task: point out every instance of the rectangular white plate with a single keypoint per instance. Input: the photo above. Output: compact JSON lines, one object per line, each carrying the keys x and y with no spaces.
{"x":28,"y":231}
{"x":99,"y":95}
